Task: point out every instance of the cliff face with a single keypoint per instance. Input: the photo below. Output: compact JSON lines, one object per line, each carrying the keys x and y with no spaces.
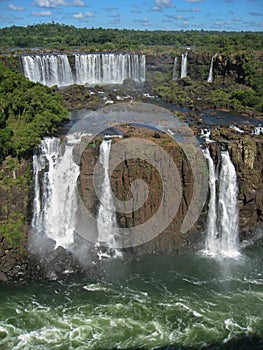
{"x":247,"y":155}
{"x":127,"y":172}
{"x":14,"y":217}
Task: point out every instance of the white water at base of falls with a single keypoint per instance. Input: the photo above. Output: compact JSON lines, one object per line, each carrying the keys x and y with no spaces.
{"x":184,"y":65}
{"x":222,"y":221}
{"x":210,"y":75}
{"x":55,"y":201}
{"x":106,"y":219}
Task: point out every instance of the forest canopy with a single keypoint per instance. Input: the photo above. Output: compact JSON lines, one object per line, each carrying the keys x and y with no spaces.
{"x":60,"y":36}
{"x":28,"y":111}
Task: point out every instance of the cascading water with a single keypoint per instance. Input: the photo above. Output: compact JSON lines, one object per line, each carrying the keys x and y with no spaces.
{"x":228,"y":206}
{"x":106,"y":219}
{"x":55,"y":202}
{"x":184,"y":65}
{"x":175,"y":69}
{"x":89,"y":69}
{"x":211,"y":244}
{"x":48,"y":69}
{"x":222,"y":220}
{"x":210,"y":75}
{"x":109,"y":68}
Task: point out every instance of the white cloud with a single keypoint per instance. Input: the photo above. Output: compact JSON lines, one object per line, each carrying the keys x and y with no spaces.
{"x":78,"y":15}
{"x":160,"y":4}
{"x":78,"y":3}
{"x":194,"y":1}
{"x":16,"y":8}
{"x":81,"y":15}
{"x":50,"y":3}
{"x":195,"y":9}
{"x":42,"y":13}
{"x":144,"y":22}
{"x":164,"y":3}
{"x":89,"y":14}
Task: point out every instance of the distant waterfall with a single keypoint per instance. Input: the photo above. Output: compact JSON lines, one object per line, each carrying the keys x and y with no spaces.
{"x":106,"y":219}
{"x":109,"y":68}
{"x":184,"y":65}
{"x":210,"y":75}
{"x":222,"y":220}
{"x":175,"y":69}
{"x":55,"y":182}
{"x":88,"y":69}
{"x":48,"y":69}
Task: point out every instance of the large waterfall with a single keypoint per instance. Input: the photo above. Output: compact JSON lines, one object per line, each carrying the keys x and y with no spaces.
{"x":210,"y":75}
{"x":87,"y":69}
{"x":228,"y":205}
{"x":48,"y":69}
{"x":222,"y":221}
{"x":55,"y":202}
{"x":55,"y":210}
{"x":106,"y":219}
{"x":184,"y":65}
{"x":109,"y":68}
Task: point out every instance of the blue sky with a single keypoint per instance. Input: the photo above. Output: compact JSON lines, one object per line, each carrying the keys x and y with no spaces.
{"x":219,"y":15}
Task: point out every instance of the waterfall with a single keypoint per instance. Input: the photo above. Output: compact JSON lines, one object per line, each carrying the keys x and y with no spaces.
{"x":228,"y":206}
{"x":55,"y":186}
{"x":175,"y":70}
{"x":222,"y":220}
{"x":108,"y":68}
{"x":211,"y":244}
{"x":48,"y":69}
{"x":88,"y":69}
{"x":210,"y":75}
{"x":184,"y":65}
{"x":106,"y":219}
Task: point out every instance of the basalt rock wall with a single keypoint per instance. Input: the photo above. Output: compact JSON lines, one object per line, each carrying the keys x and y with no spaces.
{"x":247,"y":155}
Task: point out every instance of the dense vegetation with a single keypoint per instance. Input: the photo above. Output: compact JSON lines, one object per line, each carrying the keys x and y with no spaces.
{"x":60,"y":36}
{"x":27,"y":112}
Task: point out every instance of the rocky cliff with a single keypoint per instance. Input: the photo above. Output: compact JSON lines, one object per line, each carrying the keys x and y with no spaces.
{"x":247,"y":155}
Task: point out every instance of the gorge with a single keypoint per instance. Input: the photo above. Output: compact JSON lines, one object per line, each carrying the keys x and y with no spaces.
{"x":195,"y":288}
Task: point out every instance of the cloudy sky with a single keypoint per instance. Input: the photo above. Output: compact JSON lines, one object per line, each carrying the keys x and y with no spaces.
{"x":137,"y":14}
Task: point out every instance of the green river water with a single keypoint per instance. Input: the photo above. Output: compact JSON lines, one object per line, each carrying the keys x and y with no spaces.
{"x":167,"y":302}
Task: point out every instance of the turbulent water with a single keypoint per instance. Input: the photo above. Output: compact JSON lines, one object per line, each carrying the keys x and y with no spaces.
{"x":185,"y":301}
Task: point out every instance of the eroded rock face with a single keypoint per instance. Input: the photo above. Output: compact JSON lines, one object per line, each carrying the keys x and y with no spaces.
{"x":247,"y":155}
{"x":124,"y":176}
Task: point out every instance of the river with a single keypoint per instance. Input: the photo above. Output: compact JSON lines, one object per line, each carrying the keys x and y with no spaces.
{"x":167,"y":302}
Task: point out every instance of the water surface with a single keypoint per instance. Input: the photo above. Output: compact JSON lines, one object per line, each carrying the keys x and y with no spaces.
{"x":188,"y":301}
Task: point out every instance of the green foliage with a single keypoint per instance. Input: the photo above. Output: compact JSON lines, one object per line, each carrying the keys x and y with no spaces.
{"x":60,"y":36}
{"x":12,"y":229}
{"x":28,"y":111}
